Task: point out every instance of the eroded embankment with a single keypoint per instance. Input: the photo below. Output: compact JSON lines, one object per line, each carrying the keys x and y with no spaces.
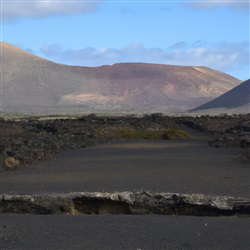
{"x":126,"y":203}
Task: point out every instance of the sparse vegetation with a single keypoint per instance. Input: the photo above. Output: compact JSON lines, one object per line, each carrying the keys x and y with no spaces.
{"x":121,"y":133}
{"x":176,"y":134}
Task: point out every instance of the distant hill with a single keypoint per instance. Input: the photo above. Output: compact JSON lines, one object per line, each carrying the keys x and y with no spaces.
{"x":238,"y":97}
{"x":31,"y":83}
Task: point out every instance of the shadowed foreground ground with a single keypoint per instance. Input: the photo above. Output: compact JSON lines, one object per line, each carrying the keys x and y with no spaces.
{"x":160,"y":166}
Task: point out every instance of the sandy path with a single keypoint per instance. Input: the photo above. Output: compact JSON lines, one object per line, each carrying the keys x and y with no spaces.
{"x":158,"y":166}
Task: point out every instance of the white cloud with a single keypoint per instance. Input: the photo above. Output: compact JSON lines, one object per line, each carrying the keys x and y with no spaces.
{"x":13,"y":10}
{"x":242,"y":5}
{"x":223,"y":56}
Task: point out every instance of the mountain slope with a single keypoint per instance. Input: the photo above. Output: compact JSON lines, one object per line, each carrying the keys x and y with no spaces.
{"x":235,"y":98}
{"x":30,"y":81}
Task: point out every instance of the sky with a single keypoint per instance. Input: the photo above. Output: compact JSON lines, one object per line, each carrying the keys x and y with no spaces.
{"x":208,"y":33}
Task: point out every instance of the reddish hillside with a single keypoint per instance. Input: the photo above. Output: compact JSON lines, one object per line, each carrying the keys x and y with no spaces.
{"x":30,"y":81}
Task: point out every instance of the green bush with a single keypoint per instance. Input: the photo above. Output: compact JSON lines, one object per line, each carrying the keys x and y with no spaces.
{"x":176,"y":134}
{"x":166,"y":134}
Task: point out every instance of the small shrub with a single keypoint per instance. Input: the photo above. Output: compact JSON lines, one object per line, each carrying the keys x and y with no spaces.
{"x":176,"y":134}
{"x":150,"y":134}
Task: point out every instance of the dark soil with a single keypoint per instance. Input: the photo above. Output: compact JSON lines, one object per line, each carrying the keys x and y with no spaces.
{"x":28,"y":140}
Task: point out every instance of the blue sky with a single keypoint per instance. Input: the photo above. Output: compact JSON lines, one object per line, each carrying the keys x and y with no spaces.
{"x":208,"y":33}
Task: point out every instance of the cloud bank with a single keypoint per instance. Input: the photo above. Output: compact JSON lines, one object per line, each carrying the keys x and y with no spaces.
{"x":13,"y":10}
{"x":242,"y":5}
{"x":222,"y":56}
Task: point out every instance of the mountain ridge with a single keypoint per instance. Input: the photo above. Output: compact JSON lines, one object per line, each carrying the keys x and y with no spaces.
{"x":230,"y":99}
{"x":32,"y":81}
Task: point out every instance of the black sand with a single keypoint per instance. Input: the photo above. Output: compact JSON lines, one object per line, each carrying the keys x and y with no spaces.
{"x":158,"y":166}
{"x":123,"y":232}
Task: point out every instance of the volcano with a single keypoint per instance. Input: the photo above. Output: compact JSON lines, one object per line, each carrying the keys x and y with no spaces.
{"x":33,"y":84}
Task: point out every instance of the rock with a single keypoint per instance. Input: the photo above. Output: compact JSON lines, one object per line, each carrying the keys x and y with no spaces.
{"x":126,"y":203}
{"x":11,"y":163}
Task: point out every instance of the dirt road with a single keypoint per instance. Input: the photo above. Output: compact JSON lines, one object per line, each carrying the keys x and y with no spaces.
{"x":159,"y":166}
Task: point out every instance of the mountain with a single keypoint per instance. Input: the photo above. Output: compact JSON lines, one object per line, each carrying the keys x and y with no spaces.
{"x":236,"y":98}
{"x":31,"y":83}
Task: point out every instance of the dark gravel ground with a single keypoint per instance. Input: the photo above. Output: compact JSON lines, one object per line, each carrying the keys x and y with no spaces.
{"x":28,"y":140}
{"x":39,"y":232}
{"x":147,"y":165}
{"x":190,"y":166}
